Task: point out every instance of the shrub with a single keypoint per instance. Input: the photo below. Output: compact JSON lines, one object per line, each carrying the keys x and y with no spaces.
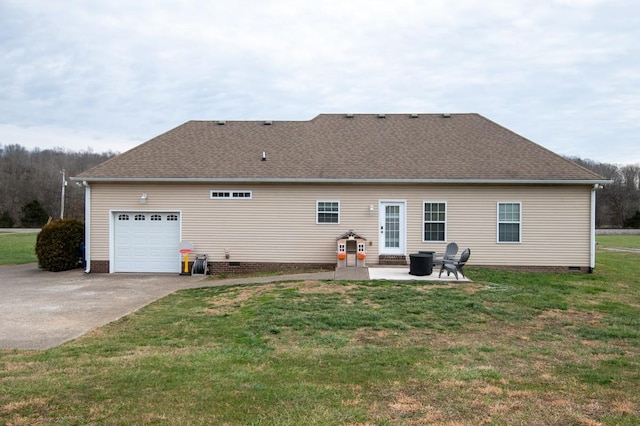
{"x":58,"y":245}
{"x":33,"y":215}
{"x":633,"y":221}
{"x":6,"y":221}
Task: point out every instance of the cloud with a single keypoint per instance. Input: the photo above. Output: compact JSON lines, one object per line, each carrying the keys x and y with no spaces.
{"x":50,"y":137}
{"x":556,"y":72}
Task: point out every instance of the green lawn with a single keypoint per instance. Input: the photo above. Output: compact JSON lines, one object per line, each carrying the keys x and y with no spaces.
{"x":628,"y":241}
{"x":510,"y":348}
{"x":17,"y":248}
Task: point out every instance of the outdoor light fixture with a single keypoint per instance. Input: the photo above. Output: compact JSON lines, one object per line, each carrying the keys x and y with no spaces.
{"x":143,"y":198}
{"x":370,"y":209}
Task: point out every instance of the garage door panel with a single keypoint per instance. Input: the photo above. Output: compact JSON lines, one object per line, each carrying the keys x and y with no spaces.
{"x":146,"y":242}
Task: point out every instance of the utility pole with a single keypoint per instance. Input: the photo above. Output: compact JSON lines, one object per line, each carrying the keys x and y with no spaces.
{"x":64,"y":184}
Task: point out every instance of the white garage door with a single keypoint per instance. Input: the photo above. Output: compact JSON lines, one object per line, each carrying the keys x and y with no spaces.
{"x":146,"y":242}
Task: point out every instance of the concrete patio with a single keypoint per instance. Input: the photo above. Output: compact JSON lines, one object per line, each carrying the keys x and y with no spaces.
{"x":393,"y":273}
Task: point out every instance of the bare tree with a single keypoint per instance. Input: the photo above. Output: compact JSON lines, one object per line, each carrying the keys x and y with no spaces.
{"x":620,"y":200}
{"x":35,"y":175}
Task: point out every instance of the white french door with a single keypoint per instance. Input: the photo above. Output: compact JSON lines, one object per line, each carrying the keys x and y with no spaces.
{"x":392,"y":227}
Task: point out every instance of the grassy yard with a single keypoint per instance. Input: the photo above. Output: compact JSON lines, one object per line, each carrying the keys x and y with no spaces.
{"x":628,"y":241}
{"x":510,"y":348}
{"x":17,"y":248}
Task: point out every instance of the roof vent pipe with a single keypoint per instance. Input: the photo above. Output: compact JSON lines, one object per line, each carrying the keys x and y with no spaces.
{"x":414,"y":115}
{"x":446,"y":115}
{"x":221,"y":123}
{"x":268,"y":123}
{"x":264,"y":156}
{"x":349,"y":115}
{"x":382,"y":115}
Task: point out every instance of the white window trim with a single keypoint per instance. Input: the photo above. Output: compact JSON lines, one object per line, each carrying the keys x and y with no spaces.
{"x":317,"y":212}
{"x":498,"y":223}
{"x":233,"y":194}
{"x":446,"y":221}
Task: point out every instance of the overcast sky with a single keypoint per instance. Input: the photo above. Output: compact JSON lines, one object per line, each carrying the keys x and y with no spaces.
{"x":108,"y":75}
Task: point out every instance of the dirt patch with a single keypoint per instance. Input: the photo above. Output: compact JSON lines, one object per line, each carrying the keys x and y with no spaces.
{"x":237,"y":297}
{"x":11,"y":410}
{"x":319,"y":287}
{"x":569,"y":316}
{"x":467,"y":287}
{"x":414,"y":410}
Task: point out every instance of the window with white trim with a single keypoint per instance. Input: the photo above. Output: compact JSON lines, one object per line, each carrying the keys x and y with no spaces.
{"x":230,"y":195}
{"x":509,"y":222}
{"x":327,"y":212}
{"x":435,"y":221}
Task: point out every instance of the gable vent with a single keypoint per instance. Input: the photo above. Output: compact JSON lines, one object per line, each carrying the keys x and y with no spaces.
{"x":382,"y":115}
{"x":268,"y":123}
{"x":221,"y":123}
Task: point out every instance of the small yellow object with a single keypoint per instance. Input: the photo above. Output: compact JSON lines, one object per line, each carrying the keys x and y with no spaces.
{"x":186,"y":263}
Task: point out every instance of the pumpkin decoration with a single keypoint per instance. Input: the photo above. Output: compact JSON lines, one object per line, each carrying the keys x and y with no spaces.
{"x":342,"y":256}
{"x":362,"y":255}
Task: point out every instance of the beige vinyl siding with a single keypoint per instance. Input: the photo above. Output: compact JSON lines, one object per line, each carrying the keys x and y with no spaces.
{"x":278,"y":224}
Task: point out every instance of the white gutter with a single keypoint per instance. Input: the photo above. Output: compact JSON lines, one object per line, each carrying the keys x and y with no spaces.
{"x":592,"y":254}
{"x":361,"y":181}
{"x":87,"y":226}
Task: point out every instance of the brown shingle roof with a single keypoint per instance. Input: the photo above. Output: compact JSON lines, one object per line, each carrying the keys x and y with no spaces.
{"x":431,"y":147}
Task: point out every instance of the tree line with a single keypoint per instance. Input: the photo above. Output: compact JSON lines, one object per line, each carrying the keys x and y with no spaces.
{"x":618,"y":203}
{"x":31,"y":187}
{"x":31,"y":184}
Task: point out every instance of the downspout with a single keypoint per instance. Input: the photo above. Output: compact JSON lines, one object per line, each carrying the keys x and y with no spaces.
{"x":87,"y":226}
{"x":592,"y":260}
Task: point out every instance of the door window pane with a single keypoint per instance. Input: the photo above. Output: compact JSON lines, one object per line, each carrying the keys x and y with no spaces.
{"x":392,"y":227}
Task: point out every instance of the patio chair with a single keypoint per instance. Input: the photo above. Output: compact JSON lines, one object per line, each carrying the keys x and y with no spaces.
{"x":456,"y":265}
{"x":449,"y":254}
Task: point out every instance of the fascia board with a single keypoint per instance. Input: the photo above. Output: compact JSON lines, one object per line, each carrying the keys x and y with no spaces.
{"x":352,"y":181}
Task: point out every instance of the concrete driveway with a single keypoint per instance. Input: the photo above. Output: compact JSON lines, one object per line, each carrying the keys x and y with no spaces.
{"x":40,"y":309}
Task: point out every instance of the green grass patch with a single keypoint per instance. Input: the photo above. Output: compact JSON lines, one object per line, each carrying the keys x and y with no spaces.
{"x":509,"y":348}
{"x":628,"y":241}
{"x":17,"y":248}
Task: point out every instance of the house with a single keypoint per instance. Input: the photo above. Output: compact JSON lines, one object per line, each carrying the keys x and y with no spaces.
{"x":262,"y":194}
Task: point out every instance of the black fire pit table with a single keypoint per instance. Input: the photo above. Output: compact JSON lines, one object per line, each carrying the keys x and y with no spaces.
{"x":421,"y":263}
